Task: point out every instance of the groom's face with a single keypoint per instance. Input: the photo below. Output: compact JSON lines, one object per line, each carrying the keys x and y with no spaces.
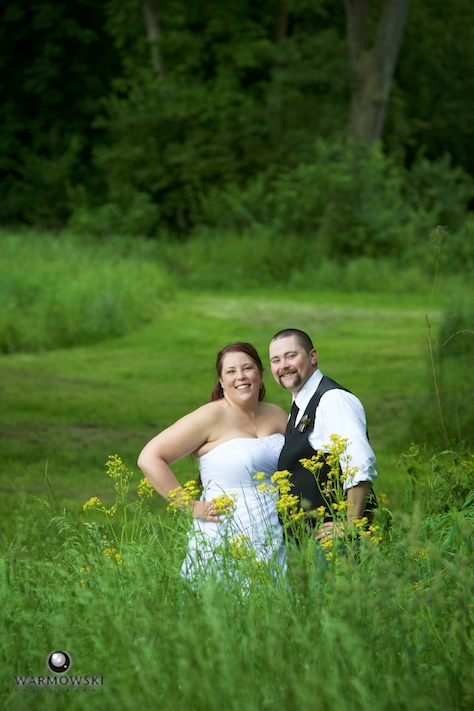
{"x":291,"y":365}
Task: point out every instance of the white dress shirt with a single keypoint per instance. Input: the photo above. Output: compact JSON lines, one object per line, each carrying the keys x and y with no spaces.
{"x":341,"y":413}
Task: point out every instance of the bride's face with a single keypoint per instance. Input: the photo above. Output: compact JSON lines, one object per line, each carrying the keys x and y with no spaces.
{"x":240,"y":378}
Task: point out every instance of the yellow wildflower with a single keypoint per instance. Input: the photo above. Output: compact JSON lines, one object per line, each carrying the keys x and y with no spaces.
{"x":112,"y":554}
{"x":419,"y":554}
{"x":335,"y":451}
{"x":280,"y":475}
{"x":360,"y":523}
{"x":372,"y":531}
{"x":224,"y":504}
{"x":84,"y":570}
{"x":115,"y":467}
{"x":286,"y":502}
{"x":349,"y":473}
{"x":282,"y":480}
{"x":326,"y":543}
{"x":338,"y":459}
{"x":93,"y":503}
{"x":314,"y":464}
{"x":328,"y":548}
{"x":96,"y":503}
{"x":367,"y":532}
{"x":341,"y":506}
{"x":183,"y":496}
{"x":297,"y":515}
{"x":239,"y":546}
{"x":145,"y":489}
{"x":112,"y":511}
{"x":259,"y":476}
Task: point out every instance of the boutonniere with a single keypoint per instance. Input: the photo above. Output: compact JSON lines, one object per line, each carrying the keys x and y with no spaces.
{"x":304,"y":423}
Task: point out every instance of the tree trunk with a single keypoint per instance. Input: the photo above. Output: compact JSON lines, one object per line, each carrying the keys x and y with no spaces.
{"x":373,"y":64}
{"x":283,"y":20}
{"x":153,"y":33}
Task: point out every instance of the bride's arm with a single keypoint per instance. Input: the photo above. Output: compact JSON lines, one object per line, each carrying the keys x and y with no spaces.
{"x":173,"y":444}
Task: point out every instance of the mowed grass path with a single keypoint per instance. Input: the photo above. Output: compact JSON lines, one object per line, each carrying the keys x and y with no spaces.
{"x":63,"y":412}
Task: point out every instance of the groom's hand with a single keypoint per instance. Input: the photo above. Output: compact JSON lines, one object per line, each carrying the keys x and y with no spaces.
{"x":330,"y":530}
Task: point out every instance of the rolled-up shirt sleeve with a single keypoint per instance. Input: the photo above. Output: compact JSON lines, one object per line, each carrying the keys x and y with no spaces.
{"x":341,"y":413}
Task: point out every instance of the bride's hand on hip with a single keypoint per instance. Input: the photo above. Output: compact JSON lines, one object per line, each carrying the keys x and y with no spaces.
{"x":204,"y":511}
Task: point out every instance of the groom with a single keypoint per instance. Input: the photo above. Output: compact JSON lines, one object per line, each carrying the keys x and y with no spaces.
{"x":321,"y":407}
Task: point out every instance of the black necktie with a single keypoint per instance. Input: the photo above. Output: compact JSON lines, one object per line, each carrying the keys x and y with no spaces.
{"x":293,"y":415}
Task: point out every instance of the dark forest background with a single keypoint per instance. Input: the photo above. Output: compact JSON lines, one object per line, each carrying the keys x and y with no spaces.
{"x":348,"y":122}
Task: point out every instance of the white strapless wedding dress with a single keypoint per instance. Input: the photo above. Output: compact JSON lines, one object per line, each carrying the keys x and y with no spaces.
{"x":253,"y":521}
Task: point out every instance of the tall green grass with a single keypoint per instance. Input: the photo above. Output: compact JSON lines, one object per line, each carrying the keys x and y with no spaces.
{"x":391,"y":631}
{"x":57,"y":291}
{"x":256,"y":258}
{"x":63,"y":290}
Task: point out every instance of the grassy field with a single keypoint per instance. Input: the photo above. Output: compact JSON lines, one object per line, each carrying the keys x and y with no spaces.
{"x":65,"y":411}
{"x":391,"y":631}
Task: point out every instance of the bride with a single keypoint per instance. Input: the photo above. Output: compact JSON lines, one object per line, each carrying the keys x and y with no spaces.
{"x":234,"y":437}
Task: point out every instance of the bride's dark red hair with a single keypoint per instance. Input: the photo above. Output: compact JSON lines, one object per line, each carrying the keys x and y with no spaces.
{"x":239,"y":347}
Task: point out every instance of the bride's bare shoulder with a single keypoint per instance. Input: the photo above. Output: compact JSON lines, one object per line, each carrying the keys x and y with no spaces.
{"x":213,"y":410}
{"x":273,"y":409}
{"x":276,"y":414}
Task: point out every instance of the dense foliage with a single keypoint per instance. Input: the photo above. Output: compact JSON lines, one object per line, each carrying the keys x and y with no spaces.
{"x":56,"y":68}
{"x":233,"y":113}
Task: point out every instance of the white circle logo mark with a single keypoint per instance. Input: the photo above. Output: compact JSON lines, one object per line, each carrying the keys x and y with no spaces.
{"x":59,"y":662}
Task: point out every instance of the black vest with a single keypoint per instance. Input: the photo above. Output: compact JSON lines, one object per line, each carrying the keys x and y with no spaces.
{"x":308,"y":486}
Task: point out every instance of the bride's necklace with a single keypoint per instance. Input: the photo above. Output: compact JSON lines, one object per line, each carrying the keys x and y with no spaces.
{"x":253,"y":424}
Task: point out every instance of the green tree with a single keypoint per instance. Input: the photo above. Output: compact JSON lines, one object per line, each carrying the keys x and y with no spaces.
{"x":434,"y":89}
{"x":210,"y":96}
{"x":55,"y":69}
{"x":132,"y":115}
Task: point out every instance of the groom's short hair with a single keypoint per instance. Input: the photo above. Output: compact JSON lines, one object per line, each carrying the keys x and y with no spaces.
{"x":302,"y":338}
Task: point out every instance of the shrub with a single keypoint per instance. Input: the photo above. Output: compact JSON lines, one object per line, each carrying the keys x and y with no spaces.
{"x":59,"y":292}
{"x":348,"y":198}
{"x":455,"y":346}
{"x":439,"y":190}
{"x":446,"y":415}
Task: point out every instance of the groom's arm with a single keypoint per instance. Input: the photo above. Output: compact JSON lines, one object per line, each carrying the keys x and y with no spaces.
{"x":357,"y":499}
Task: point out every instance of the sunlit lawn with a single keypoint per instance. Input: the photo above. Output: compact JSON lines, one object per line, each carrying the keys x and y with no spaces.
{"x":65,"y":411}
